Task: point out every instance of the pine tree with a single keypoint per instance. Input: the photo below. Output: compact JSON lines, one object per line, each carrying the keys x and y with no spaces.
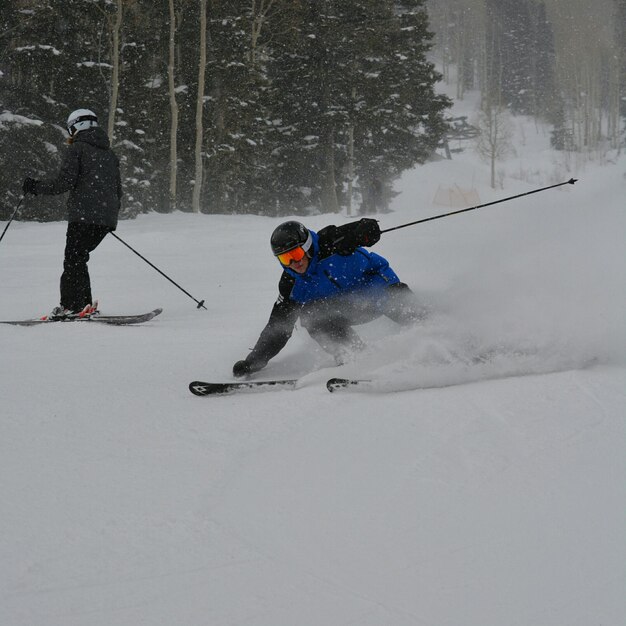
{"x":305,"y":102}
{"x":49,"y":71}
{"x":236,"y":175}
{"x":306,"y":75}
{"x":356,"y":94}
{"x":401,"y":121}
{"x":521,"y":58}
{"x":142,"y":122}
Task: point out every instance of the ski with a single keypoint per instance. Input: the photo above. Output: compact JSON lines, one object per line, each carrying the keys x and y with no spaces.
{"x":337,"y":384}
{"x":200,"y":388}
{"x":115,"y":320}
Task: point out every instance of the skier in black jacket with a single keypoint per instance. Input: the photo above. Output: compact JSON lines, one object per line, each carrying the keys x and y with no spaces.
{"x":331,"y":283}
{"x":90,"y":172}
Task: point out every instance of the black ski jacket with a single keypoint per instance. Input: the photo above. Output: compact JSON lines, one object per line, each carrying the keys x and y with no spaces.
{"x":91,"y":173}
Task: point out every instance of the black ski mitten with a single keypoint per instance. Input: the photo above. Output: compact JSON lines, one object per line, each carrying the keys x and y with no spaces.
{"x":368,"y":232}
{"x":365,"y":232}
{"x":245,"y":367}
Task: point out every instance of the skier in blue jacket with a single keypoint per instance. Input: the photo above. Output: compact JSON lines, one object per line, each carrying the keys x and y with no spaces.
{"x":331,"y":283}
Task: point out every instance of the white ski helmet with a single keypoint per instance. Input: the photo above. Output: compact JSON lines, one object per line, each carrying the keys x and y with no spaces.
{"x":81,"y":119}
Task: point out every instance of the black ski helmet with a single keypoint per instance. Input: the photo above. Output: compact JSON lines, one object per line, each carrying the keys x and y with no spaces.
{"x":290,"y":235}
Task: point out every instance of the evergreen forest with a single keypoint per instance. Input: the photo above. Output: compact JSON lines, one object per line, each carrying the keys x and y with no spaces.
{"x":283,"y":107}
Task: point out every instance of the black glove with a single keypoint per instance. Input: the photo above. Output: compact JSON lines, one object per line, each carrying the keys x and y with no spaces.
{"x":365,"y":232}
{"x":245,"y":367}
{"x":28,"y":186}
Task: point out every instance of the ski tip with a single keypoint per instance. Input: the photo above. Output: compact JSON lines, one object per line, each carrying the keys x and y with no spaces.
{"x":200,"y":388}
{"x":333,"y":384}
{"x":196,"y":387}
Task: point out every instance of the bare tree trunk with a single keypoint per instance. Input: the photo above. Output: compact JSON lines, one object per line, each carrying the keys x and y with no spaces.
{"x":197,"y":185}
{"x":461,"y":53}
{"x":330,"y":203}
{"x":350,"y":167}
{"x":259,"y":10}
{"x":218,"y":133}
{"x":494,"y":140}
{"x":115,"y":76}
{"x":173,"y":107}
{"x":614,"y":102}
{"x":328,"y":183}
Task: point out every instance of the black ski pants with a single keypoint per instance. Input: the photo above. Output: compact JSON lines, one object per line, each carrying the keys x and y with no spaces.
{"x":330,"y":321}
{"x":81,"y":239}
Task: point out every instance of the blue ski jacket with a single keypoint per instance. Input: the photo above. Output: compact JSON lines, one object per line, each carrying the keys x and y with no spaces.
{"x":338,"y":274}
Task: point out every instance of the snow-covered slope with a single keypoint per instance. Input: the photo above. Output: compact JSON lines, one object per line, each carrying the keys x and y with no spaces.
{"x":482,"y":483}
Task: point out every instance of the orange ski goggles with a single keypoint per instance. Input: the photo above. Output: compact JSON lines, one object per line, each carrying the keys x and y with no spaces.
{"x":297,"y":254}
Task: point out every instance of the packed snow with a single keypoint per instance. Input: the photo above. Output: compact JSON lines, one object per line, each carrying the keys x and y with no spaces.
{"x":479,"y":481}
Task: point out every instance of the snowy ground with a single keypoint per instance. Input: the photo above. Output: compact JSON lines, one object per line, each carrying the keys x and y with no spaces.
{"x":481,"y":484}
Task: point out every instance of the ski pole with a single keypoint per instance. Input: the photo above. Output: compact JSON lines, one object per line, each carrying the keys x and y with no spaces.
{"x":199,"y":302}
{"x":571,"y":181}
{"x":12,"y":216}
